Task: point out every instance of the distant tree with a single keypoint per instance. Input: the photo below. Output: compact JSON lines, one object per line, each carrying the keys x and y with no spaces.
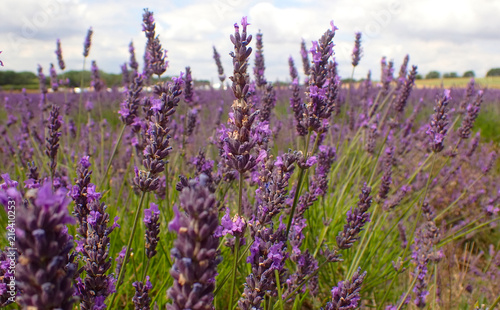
{"x":418,"y":77}
{"x":17,"y":78}
{"x":469,"y":73}
{"x":433,"y":75}
{"x":450,"y":75}
{"x":493,"y":72}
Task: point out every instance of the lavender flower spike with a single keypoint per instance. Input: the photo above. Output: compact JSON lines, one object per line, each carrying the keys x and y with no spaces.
{"x":346,"y":294}
{"x":141,"y":299}
{"x":58,"y":52}
{"x":195,"y":250}
{"x":439,"y":121}
{"x":53,"y":78}
{"x":152,"y":223}
{"x":259,"y":68}
{"x":240,"y":56}
{"x":472,"y":112}
{"x":133,"y":62}
{"x":87,"y":43}
{"x":305,"y":58}
{"x":52,"y":141}
{"x":44,"y":273}
{"x":220,"y":69}
{"x":356,"y":219}
{"x":356,"y":52}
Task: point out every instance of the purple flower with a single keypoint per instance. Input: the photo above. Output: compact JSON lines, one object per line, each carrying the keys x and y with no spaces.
{"x":439,"y":121}
{"x":87,"y":43}
{"x":53,"y":78}
{"x":194,"y":271}
{"x":472,"y":112}
{"x":133,"y":62}
{"x":58,"y":52}
{"x":95,"y":82}
{"x":406,"y":90}
{"x":152,"y":223}
{"x":356,"y":52}
{"x":141,"y":298}
{"x":356,"y":219}
{"x":155,"y":55}
{"x":233,"y":226}
{"x":220,"y":69}
{"x":346,"y":294}
{"x":44,"y":244}
{"x":259,"y":68}
{"x":52,"y":141}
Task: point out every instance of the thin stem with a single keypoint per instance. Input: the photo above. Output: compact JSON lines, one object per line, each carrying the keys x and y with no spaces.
{"x":112,"y":155}
{"x":495,"y":302}
{"x":407,"y":292}
{"x":236,"y":245}
{"x":146,"y":270}
{"x":129,"y":244}
{"x":299,"y":185}
{"x":78,"y":128}
{"x":280,"y":293}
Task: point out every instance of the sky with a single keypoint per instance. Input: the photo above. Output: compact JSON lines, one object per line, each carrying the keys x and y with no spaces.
{"x":442,"y":35}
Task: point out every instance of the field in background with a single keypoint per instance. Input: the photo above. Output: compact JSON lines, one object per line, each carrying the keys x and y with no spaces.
{"x":488,"y":82}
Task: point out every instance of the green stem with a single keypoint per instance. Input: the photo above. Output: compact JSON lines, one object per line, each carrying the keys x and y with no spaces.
{"x":129,"y":244}
{"x":146,"y":270}
{"x":112,"y":155}
{"x":280,"y":293}
{"x":236,"y":245}
{"x":299,"y":185}
{"x":495,"y":302}
{"x":407,"y":292}
{"x":79,"y":125}
{"x":295,"y":201}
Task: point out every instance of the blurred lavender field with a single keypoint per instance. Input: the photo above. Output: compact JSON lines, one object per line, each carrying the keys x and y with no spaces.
{"x":322,"y":193}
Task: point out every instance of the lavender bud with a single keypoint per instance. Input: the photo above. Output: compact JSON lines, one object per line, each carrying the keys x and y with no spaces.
{"x":87,"y":43}
{"x":356,"y":219}
{"x":128,"y":109}
{"x":346,"y":294}
{"x":387,"y":176}
{"x":305,"y":58}
{"x":240,"y":56}
{"x":472,"y":112}
{"x":439,"y":121}
{"x":220,"y":69}
{"x":41,"y":81}
{"x":293,"y":71}
{"x":58,"y":52}
{"x":95,"y":77}
{"x":44,"y":246}
{"x":53,"y":78}
{"x":52,"y":141}
{"x":151,"y":221}
{"x":405,"y":92}
{"x":259,"y":68}
{"x":195,"y":249}
{"x":356,"y":52}
{"x":133,"y":62}
{"x":141,"y":299}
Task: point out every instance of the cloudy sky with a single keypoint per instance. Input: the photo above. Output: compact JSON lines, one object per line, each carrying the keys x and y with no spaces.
{"x":443,"y":35}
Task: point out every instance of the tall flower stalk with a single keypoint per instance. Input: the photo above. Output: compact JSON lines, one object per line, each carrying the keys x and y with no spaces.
{"x":156,"y":151}
{"x":239,"y":140}
{"x":195,"y":249}
{"x":45,"y":272}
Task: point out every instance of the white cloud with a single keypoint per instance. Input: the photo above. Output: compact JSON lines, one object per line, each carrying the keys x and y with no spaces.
{"x":441,"y":35}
